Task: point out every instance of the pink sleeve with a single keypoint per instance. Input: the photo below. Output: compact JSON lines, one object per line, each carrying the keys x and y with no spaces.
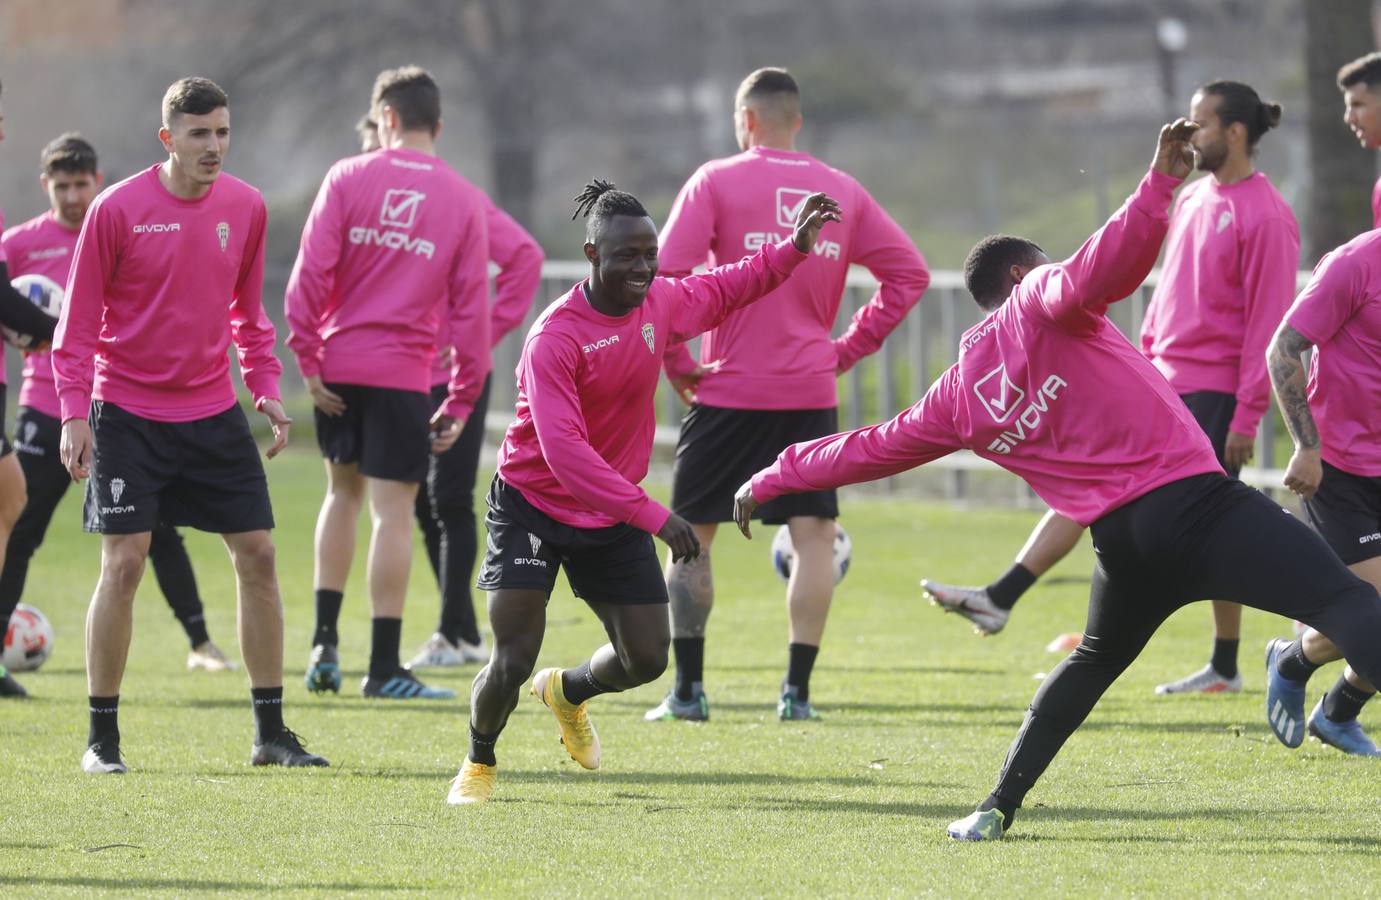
{"x":467,"y":315}
{"x":685,"y":242}
{"x":250,"y":327}
{"x":883,"y":248}
{"x":519,"y":259}
{"x":677,"y":360}
{"x":1333,"y":295}
{"x":551,"y":363}
{"x":923,"y":433}
{"x":705,"y":300}
{"x":79,"y":327}
{"x":312,"y":283}
{"x":1376,"y":204}
{"x":1270,"y":257}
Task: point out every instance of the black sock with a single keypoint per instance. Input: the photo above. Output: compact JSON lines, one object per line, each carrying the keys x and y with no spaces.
{"x":580,"y":684}
{"x":105,"y":720}
{"x":327,"y":616}
{"x":1291,"y":663}
{"x":268,"y":713}
{"x":1343,"y":701}
{"x":1007,"y":590}
{"x":383,"y":647}
{"x":690,"y":665}
{"x":1008,"y":810}
{"x":195,"y":626}
{"x":1224,"y":660}
{"x":482,"y":747}
{"x":800,"y":661}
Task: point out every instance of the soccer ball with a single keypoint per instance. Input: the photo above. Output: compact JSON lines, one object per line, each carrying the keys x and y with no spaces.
{"x":43,"y":292}
{"x":28,"y":641}
{"x":784,"y":555}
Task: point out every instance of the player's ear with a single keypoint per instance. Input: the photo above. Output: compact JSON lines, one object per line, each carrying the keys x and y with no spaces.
{"x":166,"y":137}
{"x":592,"y":253}
{"x":99,"y":179}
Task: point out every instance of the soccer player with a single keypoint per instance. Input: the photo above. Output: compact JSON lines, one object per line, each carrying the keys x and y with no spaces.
{"x":566,"y":493}
{"x":1227,"y":278}
{"x":1047,"y":388}
{"x":395,"y":243}
{"x":1360,"y":82}
{"x":44,"y":245}
{"x":168,"y":270}
{"x":766,"y":376}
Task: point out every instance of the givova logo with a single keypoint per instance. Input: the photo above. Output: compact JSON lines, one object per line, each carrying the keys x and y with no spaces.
{"x":117,"y":490}
{"x":789,"y":203}
{"x":998,"y":394}
{"x":400,"y":208}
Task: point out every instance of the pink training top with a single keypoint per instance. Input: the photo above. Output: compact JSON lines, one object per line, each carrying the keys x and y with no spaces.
{"x":582,"y":438}
{"x":394,"y":244}
{"x":778,"y":354}
{"x":519,"y":258}
{"x":1376,"y":204}
{"x":159,"y":287}
{"x":1227,"y":279}
{"x":1045,"y":387}
{"x":4,"y":375}
{"x":40,"y":246}
{"x":1340,"y":312}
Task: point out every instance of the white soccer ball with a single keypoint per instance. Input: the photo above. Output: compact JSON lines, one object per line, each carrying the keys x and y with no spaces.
{"x":784,"y":554}
{"x":28,"y":641}
{"x":43,"y":292}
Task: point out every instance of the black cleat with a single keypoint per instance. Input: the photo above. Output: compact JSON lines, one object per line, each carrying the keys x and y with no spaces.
{"x":323,"y":670}
{"x":9,"y":687}
{"x":285,"y":750}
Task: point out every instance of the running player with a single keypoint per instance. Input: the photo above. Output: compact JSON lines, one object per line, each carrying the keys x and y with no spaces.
{"x":1047,"y":388}
{"x":1360,"y":82}
{"x":394,"y":244}
{"x":168,"y":270}
{"x":1228,"y":276}
{"x":566,"y":494}
{"x":767,"y":374}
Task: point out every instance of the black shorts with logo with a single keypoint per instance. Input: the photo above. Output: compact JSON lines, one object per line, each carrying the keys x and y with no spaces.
{"x":1213,"y":411}
{"x":5,"y":447}
{"x":205,"y":474}
{"x":719,"y":449}
{"x":384,"y":430}
{"x":526,"y":547}
{"x":1346,"y":511}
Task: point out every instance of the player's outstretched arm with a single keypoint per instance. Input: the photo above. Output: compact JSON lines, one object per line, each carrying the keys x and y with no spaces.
{"x":1287,"y":376}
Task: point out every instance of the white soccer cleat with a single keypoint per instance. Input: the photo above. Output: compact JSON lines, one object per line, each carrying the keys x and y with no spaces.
{"x":103,"y":759}
{"x":982,"y":825}
{"x":438,"y":652}
{"x":1205,"y":681}
{"x":209,"y":658}
{"x":973,"y":603}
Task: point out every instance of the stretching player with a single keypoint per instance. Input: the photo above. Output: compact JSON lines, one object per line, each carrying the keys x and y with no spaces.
{"x":1360,"y":82}
{"x":395,"y":244}
{"x":1228,"y":276}
{"x":1047,"y":388}
{"x":168,"y":270}
{"x":767,"y":373}
{"x":566,"y":494}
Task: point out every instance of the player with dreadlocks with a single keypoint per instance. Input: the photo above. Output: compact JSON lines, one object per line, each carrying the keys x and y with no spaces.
{"x":566,"y":493}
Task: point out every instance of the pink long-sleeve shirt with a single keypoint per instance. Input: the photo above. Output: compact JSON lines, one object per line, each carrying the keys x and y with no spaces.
{"x":582,"y":438}
{"x":1376,"y":204}
{"x":394,"y":245}
{"x":4,"y":375}
{"x":778,"y":354}
{"x":1228,"y":277}
{"x":159,"y":287}
{"x":1045,"y":387}
{"x":40,"y":246}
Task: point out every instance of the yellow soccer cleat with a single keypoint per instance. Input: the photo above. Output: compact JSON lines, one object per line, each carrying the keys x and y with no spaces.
{"x":577,"y":731}
{"x":473,"y":784}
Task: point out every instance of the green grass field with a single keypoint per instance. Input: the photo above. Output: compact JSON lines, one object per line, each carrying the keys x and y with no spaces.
{"x":1189,"y":796}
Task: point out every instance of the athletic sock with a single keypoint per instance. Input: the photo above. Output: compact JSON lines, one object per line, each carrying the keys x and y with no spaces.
{"x":1344,"y":702}
{"x":1008,"y":810}
{"x":195,"y":626}
{"x":1224,"y":660}
{"x":690,"y":666}
{"x":327,"y":616}
{"x":383,"y":647}
{"x":268,"y":713}
{"x":1007,"y":590}
{"x":1292,"y":664}
{"x":482,"y":747}
{"x":580,"y":684}
{"x":105,"y":720}
{"x":800,"y":662}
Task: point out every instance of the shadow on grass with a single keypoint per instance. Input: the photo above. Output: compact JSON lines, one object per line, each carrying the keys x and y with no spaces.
{"x":454,"y":706}
{"x":572,"y":775}
{"x":904,"y":669}
{"x":188,"y":885}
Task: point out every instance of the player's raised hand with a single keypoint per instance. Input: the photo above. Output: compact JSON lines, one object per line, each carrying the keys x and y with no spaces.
{"x":678,"y":535}
{"x":74,"y":448}
{"x":1174,"y":153}
{"x":445,"y":432}
{"x":816,"y":210}
{"x":744,"y":504}
{"x":278,"y":418}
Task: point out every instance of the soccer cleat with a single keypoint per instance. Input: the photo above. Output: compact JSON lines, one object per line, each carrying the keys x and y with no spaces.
{"x":472,"y":784}
{"x":1346,"y":736}
{"x":285,"y":750}
{"x":1284,"y":698}
{"x":103,"y":758}
{"x":209,"y":658}
{"x":1205,"y":681}
{"x":980,"y":825}
{"x":672,"y":707}
{"x":9,"y":687}
{"x":792,"y":709}
{"x":577,"y":731}
{"x":972,"y":603}
{"x":438,"y":651}
{"x":323,"y":670}
{"x":403,"y":685}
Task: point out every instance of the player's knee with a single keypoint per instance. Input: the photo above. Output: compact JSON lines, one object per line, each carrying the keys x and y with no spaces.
{"x":256,"y":557}
{"x":12,"y":504}
{"x":644,"y":662}
{"x":122,"y":566}
{"x":510,"y":666}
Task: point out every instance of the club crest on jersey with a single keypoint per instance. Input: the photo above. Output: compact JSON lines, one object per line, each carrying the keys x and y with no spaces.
{"x":536,"y":543}
{"x":30,"y":429}
{"x":223,"y":234}
{"x":650,"y":335}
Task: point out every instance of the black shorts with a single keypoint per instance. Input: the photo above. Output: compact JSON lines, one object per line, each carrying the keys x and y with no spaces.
{"x":385,"y":431}
{"x":205,"y":474}
{"x":1346,"y":511}
{"x":1213,"y":411}
{"x":719,"y":449}
{"x":5,"y":447}
{"x":526,"y":546}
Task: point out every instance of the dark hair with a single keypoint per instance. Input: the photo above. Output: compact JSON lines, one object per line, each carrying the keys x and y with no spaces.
{"x":766,"y":82}
{"x":413,"y":94}
{"x":192,"y":97}
{"x":601,"y":201}
{"x":1363,"y":70}
{"x":1239,"y":103}
{"x":986,"y":267}
{"x":69,"y":153}
{"x":365,"y":125}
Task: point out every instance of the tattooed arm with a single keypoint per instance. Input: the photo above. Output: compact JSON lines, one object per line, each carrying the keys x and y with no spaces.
{"x":1287,"y":376}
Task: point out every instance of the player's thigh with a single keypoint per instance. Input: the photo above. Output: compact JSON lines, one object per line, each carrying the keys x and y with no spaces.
{"x":1346,"y":512}
{"x":637,"y":630}
{"x":133,"y":462}
{"x":617,"y":565}
{"x":220,"y":485}
{"x":13,"y":492}
{"x":520,"y":551}
{"x":395,"y":438}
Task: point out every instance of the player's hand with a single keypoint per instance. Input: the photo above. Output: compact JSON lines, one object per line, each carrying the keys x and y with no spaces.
{"x":1238,"y":450}
{"x":278,"y":418}
{"x":74,"y":448}
{"x":1304,"y":473}
{"x":744,"y":504}
{"x":678,"y":534}
{"x":685,"y":385}
{"x":817,"y":209}
{"x":444,"y":356}
{"x":445,"y":432}
{"x":1174,"y":154}
{"x":325,"y":399}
